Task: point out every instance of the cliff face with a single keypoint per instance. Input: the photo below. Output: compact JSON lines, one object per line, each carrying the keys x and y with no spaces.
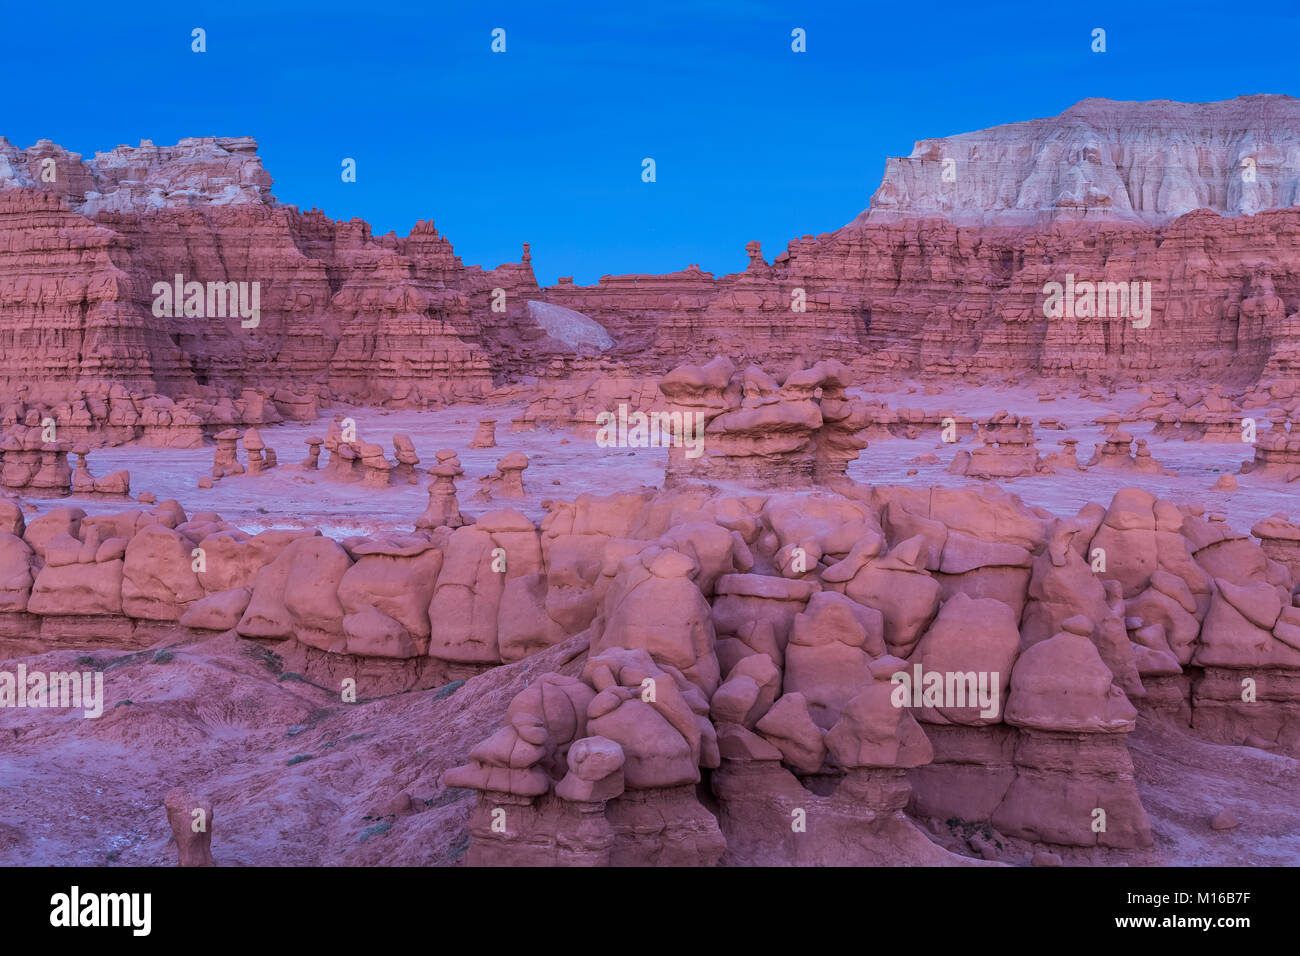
{"x":67,"y":309}
{"x":950,"y":271}
{"x":928,"y":296}
{"x":83,"y":245}
{"x":1103,"y":160}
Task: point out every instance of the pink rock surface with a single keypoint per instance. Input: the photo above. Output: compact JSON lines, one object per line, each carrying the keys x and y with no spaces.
{"x":659,"y":648}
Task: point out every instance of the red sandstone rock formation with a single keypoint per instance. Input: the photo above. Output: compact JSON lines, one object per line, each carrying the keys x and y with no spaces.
{"x":351,"y":459}
{"x":485,"y":436}
{"x":1277,"y":454}
{"x":407,"y":459}
{"x":915,"y":285}
{"x":400,"y":327}
{"x":1007,"y":451}
{"x":190,"y":819}
{"x":760,"y":637}
{"x":508,"y":482}
{"x":722,"y":424}
{"x":444,"y":509}
{"x":770,"y":648}
{"x":225,"y":459}
{"x":1116,"y":454}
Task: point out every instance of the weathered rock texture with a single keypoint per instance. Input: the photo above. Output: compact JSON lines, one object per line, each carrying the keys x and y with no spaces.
{"x":1103,"y":160}
{"x":379,"y":319}
{"x":743,"y":425}
{"x":754,"y":644}
{"x":936,"y":277}
{"x":728,"y":675}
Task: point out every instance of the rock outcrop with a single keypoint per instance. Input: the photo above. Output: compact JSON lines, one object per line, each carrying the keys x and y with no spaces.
{"x":937,"y":277}
{"x":1104,"y":161}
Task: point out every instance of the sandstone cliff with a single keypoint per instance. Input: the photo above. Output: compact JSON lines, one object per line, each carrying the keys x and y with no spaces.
{"x":1105,"y":160}
{"x":945,"y":274}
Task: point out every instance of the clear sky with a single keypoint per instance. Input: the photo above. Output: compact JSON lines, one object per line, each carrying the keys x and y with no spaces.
{"x":544,"y":143}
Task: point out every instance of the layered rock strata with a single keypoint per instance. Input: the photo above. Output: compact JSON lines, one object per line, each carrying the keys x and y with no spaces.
{"x":948,"y":282}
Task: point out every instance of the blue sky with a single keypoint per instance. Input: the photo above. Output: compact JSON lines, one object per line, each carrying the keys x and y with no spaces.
{"x":544,"y":143}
